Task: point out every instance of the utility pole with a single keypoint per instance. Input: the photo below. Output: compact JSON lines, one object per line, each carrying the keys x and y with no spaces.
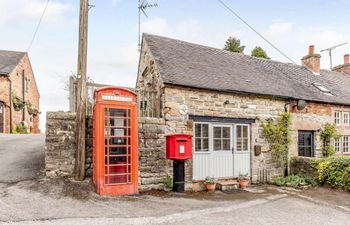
{"x":80,"y":121}
{"x":330,"y":53}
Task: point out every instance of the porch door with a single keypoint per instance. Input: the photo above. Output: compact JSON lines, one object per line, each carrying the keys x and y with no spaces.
{"x":2,"y":117}
{"x":242,"y":150}
{"x":222,"y":157}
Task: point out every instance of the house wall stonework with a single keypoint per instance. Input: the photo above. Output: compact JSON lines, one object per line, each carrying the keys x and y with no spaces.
{"x":211,"y":103}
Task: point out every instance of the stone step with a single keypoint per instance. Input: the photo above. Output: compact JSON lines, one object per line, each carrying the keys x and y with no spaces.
{"x":228,"y":185}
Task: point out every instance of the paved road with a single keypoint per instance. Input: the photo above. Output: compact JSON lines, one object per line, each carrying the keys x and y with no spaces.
{"x":21,"y":157}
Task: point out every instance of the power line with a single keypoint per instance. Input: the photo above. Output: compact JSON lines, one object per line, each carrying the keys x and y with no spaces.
{"x":37,"y":27}
{"x":260,"y":35}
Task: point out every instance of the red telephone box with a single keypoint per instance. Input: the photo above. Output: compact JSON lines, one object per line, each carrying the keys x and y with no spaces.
{"x":115,"y":142}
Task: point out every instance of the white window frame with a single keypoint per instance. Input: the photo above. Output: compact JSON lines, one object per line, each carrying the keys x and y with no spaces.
{"x":345,"y":144}
{"x":248,"y":138}
{"x":337,"y":145}
{"x":337,"y":117}
{"x":194,"y":138}
{"x":231,"y":136}
{"x":346,"y":118}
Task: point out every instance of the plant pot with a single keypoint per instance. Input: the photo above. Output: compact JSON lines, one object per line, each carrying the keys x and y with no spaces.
{"x":243,"y":183}
{"x":210,"y":187}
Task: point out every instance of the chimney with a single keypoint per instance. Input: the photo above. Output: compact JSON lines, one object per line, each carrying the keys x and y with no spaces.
{"x":312,"y":60}
{"x":345,"y":68}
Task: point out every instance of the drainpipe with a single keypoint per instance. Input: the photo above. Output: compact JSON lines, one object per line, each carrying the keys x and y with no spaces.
{"x":10,"y":96}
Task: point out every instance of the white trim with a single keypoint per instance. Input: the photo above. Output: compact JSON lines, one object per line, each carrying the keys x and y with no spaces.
{"x":3,"y":118}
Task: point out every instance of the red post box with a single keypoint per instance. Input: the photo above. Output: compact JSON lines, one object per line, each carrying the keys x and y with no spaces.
{"x":115,"y":142}
{"x":179,"y":146}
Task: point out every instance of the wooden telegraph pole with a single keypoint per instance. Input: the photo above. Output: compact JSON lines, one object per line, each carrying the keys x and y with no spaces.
{"x":80,"y":135}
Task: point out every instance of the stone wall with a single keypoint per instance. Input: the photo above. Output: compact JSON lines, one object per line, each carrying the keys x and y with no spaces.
{"x":301,"y":166}
{"x":212,"y":103}
{"x":153,"y":165}
{"x":60,"y":144}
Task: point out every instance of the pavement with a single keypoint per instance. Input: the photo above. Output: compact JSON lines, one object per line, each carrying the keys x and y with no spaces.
{"x":29,"y":198}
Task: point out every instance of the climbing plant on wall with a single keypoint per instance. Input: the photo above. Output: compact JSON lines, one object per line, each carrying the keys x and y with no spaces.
{"x":277,"y":135}
{"x":327,"y":134}
{"x":16,"y":102}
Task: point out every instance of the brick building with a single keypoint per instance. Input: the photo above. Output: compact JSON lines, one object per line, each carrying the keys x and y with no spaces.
{"x":19,"y":95}
{"x":221,"y":98}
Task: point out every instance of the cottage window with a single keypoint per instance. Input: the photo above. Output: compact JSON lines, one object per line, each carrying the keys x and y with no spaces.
{"x":346,"y":120}
{"x":346,"y":144}
{"x":242,"y":138}
{"x":337,"y":118}
{"x":222,"y":138}
{"x":306,"y":143}
{"x":337,"y":145}
{"x":201,"y":137}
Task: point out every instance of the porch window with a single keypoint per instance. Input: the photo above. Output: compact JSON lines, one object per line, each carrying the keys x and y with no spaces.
{"x":346,"y":120}
{"x":306,"y":143}
{"x":337,"y":118}
{"x":346,"y":144}
{"x":201,"y":137}
{"x":242,"y":138}
{"x":222,"y":138}
{"x":337,"y":145}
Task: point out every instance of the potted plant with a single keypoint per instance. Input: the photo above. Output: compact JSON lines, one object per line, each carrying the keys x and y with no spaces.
{"x":243,"y":180}
{"x":210,"y":184}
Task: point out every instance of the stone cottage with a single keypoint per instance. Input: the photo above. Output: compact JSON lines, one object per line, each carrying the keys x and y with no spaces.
{"x":19,"y":95}
{"x":221,"y":98}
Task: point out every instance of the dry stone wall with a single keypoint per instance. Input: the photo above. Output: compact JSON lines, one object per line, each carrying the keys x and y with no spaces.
{"x":60,"y":144}
{"x":153,"y":165}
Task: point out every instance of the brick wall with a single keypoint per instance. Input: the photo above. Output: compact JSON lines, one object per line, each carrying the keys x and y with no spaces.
{"x":31,"y":96}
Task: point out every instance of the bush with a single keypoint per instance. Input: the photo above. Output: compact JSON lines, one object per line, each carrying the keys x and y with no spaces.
{"x":21,"y":129}
{"x":168,"y":183}
{"x":293,"y":181}
{"x":334,"y":171}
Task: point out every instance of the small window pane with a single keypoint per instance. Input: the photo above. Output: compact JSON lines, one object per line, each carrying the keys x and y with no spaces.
{"x":245,"y":144}
{"x":198,"y":146}
{"x":205,"y":130}
{"x":217,"y":132}
{"x":198,"y":130}
{"x":245,"y":131}
{"x":217,"y":145}
{"x":226,"y":132}
{"x":205,"y":144}
{"x":226,"y":145}
{"x":239,"y":131}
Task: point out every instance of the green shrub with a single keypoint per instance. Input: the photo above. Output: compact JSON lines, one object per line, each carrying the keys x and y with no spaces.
{"x":168,"y":183}
{"x":293,"y":181}
{"x":334,"y":171}
{"x":21,"y":129}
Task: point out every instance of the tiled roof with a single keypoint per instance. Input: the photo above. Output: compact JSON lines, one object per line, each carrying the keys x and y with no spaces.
{"x":193,"y":65}
{"x":9,"y":60}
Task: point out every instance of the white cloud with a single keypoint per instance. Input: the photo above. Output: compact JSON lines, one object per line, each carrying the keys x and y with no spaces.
{"x":279,"y":28}
{"x":115,"y":2}
{"x":23,"y":11}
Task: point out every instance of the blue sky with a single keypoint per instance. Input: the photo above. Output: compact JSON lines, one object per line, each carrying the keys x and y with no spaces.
{"x":113,"y":56}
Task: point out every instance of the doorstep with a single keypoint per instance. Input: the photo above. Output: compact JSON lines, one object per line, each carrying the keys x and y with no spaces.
{"x":227,"y":185}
